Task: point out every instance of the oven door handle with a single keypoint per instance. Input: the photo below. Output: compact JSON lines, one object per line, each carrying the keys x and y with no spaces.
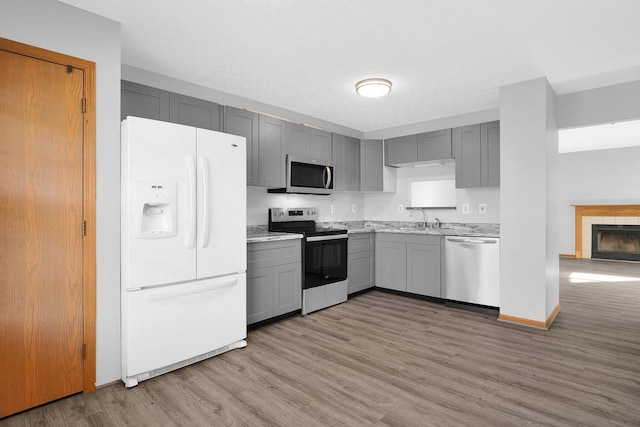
{"x":330,"y":237}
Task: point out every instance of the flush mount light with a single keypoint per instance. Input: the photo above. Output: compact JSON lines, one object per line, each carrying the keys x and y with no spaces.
{"x":372,"y":88}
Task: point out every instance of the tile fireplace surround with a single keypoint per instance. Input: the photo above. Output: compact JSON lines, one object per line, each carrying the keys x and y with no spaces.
{"x":586,"y":215}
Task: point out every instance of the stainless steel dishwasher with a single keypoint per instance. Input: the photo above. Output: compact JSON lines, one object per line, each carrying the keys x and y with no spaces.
{"x":473,"y":270}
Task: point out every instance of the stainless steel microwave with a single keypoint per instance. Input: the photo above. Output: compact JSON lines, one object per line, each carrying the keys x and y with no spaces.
{"x":308,"y":176}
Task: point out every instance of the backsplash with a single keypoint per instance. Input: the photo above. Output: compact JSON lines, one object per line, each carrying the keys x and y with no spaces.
{"x":259,"y":202}
{"x":381,"y":206}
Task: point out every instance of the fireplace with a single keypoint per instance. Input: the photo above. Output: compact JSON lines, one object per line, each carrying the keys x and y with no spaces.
{"x":621,"y":242}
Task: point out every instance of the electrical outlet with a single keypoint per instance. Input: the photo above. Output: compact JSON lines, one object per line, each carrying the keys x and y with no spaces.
{"x":465,"y":208}
{"x":333,"y":208}
{"x":400,"y":208}
{"x":482,"y":208}
{"x":354,"y":208}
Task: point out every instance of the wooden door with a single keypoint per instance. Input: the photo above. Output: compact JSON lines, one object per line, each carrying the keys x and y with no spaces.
{"x":42,"y":301}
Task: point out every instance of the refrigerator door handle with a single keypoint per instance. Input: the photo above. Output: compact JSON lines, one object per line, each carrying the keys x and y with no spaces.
{"x":204,"y":167}
{"x":191,"y":190}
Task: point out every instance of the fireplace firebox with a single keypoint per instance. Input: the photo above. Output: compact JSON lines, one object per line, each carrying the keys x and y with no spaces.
{"x":621,"y":242}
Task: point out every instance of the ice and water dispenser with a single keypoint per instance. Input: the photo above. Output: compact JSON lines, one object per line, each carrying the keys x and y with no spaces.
{"x":158,"y":209}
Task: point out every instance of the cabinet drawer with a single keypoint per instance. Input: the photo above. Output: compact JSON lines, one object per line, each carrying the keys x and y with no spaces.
{"x":361,"y":242}
{"x":267,"y":254}
{"x":420,"y":239}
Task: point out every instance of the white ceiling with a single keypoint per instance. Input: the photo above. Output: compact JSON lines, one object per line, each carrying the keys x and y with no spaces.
{"x":444,"y":57}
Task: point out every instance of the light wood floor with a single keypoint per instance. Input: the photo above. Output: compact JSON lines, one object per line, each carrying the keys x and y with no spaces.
{"x":387,"y":360}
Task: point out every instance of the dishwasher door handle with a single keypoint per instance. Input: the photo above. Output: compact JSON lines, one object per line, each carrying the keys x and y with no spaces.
{"x":474,"y":241}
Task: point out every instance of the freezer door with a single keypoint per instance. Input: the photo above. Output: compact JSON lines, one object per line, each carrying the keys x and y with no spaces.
{"x":169,"y":324}
{"x":158,"y":203}
{"x":222,"y":204}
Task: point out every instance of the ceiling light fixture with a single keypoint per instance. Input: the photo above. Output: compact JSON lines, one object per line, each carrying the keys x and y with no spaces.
{"x":373,"y":88}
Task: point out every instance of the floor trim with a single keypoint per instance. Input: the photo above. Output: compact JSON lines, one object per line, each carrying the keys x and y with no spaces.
{"x":529,"y":322}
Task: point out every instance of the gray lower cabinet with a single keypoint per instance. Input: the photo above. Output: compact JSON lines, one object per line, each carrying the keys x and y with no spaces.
{"x":308,"y":142}
{"x":371,"y":165}
{"x":423,"y":268}
{"x":346,"y":156}
{"x":410,"y":263}
{"x":361,"y":262}
{"x":143,"y":101}
{"x":477,"y":154}
{"x":391,"y":263}
{"x":274,"y":279}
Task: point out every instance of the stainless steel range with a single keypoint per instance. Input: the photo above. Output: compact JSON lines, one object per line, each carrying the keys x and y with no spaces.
{"x":324,"y":256}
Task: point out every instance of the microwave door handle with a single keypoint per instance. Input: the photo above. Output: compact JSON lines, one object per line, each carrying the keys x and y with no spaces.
{"x":327,"y":182}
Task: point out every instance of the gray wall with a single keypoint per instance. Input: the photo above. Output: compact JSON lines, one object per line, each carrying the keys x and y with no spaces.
{"x":596,"y":106}
{"x":528,"y":258}
{"x":601,"y":176}
{"x":594,"y":177}
{"x":58,"y":27}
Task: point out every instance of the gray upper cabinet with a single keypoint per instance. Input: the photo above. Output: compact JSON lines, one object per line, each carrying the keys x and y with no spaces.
{"x":477,"y":154}
{"x":320,"y":144}
{"x":308,"y":142}
{"x":195,"y":112}
{"x":271,"y":152}
{"x":153,"y":103}
{"x":435,"y":145}
{"x":424,"y":147}
{"x":490,"y":158}
{"x":245,"y":123}
{"x":346,"y":156}
{"x":371,"y":166}
{"x":466,"y":141}
{"x":297,"y":140}
{"x":266,"y":137}
{"x":143,"y":101}
{"x":401,"y":150}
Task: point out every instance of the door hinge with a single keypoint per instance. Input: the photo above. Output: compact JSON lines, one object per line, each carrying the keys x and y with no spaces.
{"x":84,"y":351}
{"x":84,"y":105}
{"x":84,"y":228}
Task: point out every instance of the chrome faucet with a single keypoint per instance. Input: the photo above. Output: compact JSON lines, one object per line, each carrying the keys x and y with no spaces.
{"x":424,"y":217}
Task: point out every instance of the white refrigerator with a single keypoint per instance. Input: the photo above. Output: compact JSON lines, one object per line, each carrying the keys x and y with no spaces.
{"x":184,"y":257}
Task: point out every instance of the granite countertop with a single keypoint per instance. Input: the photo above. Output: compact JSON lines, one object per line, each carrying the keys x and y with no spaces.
{"x":261,"y":235}
{"x":454,"y":231}
{"x":447,"y":229}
